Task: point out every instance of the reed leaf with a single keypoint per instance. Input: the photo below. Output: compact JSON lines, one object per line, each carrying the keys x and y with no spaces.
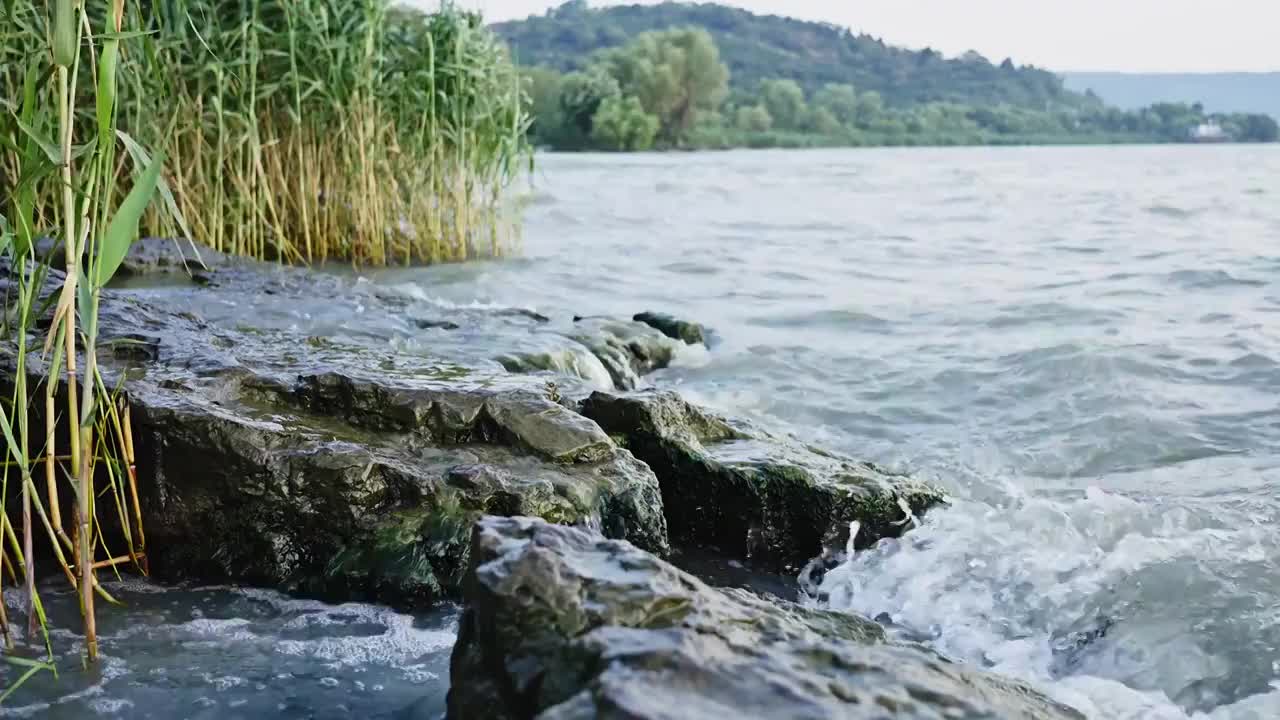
{"x":123,"y":228}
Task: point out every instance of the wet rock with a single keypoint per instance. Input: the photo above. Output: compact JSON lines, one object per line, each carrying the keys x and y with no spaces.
{"x":752,"y":495}
{"x":135,"y":346}
{"x":1071,"y":647}
{"x":436,"y":324}
{"x":608,"y":354}
{"x":572,"y":360}
{"x":347,"y":472}
{"x":153,"y":256}
{"x":522,"y":313}
{"x":344,"y":487}
{"x":561,"y":623}
{"x":628,"y":350}
{"x":164,"y":255}
{"x":690,"y":333}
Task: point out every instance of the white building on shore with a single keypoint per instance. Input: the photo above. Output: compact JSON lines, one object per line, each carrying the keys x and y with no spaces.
{"x":1209,"y":131}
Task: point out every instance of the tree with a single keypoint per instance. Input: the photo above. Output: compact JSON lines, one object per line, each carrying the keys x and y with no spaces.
{"x":841,"y":100}
{"x":813,"y":54}
{"x":824,"y":122}
{"x":784,"y":99}
{"x":581,"y":95}
{"x":675,"y":74}
{"x":1259,"y":128}
{"x":754,"y":119}
{"x":544,"y":88}
{"x":622,"y":124}
{"x":870,"y":108}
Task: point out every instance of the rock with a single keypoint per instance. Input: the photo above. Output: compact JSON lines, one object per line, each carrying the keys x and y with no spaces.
{"x":571,"y":359}
{"x":164,"y":255}
{"x":690,"y":333}
{"x":628,"y":350}
{"x":562,"y":624}
{"x":436,"y":324}
{"x":153,"y":256}
{"x":752,"y":495}
{"x":522,"y":313}
{"x":269,"y":458}
{"x":347,"y":487}
{"x":134,"y":346}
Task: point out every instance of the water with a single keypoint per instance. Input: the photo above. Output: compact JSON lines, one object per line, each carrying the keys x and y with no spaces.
{"x":1081,"y":344}
{"x":236,"y":654}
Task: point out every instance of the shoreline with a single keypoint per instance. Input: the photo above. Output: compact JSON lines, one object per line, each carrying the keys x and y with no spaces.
{"x":335,"y":471}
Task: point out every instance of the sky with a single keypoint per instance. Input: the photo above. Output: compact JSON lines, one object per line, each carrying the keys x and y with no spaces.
{"x":1121,"y":35}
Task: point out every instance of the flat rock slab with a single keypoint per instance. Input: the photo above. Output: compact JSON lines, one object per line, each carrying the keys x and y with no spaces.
{"x":346,"y":471}
{"x":563,"y":624}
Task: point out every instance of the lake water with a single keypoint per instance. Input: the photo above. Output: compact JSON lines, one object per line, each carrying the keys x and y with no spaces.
{"x":1082,"y":345}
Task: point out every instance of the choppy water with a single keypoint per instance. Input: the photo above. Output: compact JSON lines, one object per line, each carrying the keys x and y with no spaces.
{"x":239,"y":654}
{"x":1082,"y":345}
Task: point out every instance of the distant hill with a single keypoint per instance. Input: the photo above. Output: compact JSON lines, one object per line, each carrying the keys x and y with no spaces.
{"x":1219,"y":92}
{"x":756,"y":47}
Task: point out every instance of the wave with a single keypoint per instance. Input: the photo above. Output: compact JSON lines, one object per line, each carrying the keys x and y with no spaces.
{"x":1210,"y":279}
{"x":837,"y":319}
{"x":1100,"y":599}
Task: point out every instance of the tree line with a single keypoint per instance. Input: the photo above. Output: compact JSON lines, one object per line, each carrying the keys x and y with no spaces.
{"x":670,"y":89}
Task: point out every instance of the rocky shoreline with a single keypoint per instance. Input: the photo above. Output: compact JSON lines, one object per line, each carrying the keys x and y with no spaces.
{"x":541,"y":487}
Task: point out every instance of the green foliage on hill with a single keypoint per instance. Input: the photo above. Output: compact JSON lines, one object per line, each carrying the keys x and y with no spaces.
{"x":758,"y":47}
{"x":604,"y":81}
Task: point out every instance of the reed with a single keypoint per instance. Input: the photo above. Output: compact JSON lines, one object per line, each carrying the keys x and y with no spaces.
{"x":314,"y":130}
{"x":64,"y":176}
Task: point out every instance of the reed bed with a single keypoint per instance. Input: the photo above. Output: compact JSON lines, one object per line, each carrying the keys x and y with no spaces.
{"x":313,"y":130}
{"x":299,"y":130}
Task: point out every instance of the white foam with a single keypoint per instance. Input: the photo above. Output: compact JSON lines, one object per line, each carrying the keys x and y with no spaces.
{"x":417,"y":292}
{"x":110,"y":706}
{"x":222,"y":683}
{"x":690,"y":356}
{"x":399,"y":644}
{"x":992,"y":586}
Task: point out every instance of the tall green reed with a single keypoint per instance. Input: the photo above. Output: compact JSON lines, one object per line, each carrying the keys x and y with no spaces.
{"x":310,"y":130}
{"x":64,"y":177}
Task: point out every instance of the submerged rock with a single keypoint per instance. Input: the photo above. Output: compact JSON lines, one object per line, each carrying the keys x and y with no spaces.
{"x":608,"y":354}
{"x":690,"y":333}
{"x":572,"y":360}
{"x":522,"y":313}
{"x":561,"y":623}
{"x":753,"y":495}
{"x":424,"y":324}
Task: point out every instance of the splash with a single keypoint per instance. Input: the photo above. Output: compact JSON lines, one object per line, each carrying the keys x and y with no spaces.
{"x":1083,"y":595}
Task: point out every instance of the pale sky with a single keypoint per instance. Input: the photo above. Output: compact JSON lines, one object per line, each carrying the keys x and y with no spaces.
{"x":1131,"y":35}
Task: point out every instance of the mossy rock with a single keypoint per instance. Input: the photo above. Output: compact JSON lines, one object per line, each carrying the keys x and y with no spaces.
{"x":753,"y":495}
